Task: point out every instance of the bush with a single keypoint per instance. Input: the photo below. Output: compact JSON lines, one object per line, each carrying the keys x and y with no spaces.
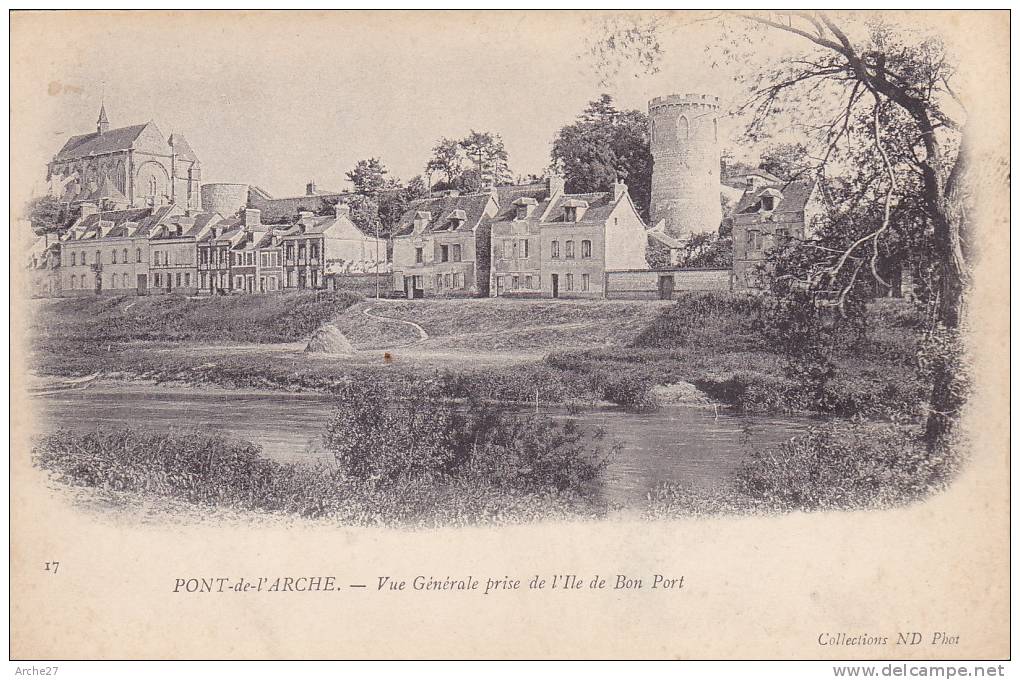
{"x":212,"y":471}
{"x":841,"y":466}
{"x":412,"y":431}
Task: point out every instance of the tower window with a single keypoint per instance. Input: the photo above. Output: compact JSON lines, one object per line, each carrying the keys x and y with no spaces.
{"x":683,"y":129}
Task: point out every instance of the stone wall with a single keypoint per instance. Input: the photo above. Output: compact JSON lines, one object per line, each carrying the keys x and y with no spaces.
{"x":644,"y":284}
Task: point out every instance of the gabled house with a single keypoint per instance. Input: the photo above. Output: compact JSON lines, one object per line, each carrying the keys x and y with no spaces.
{"x":108,"y":252}
{"x":317,"y":248}
{"x":173,"y":260}
{"x":441,"y":246}
{"x":548,"y":243}
{"x":768,"y":214}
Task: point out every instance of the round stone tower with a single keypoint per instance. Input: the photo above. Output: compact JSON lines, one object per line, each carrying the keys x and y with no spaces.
{"x":685,"y":150}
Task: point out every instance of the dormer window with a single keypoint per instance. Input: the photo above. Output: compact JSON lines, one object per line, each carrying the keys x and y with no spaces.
{"x":573,"y":209}
{"x":525,"y":205}
{"x":457,"y":218}
{"x":421,"y":220}
{"x":768,"y":203}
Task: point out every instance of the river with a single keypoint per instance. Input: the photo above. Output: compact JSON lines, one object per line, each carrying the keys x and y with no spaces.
{"x":678,"y":442}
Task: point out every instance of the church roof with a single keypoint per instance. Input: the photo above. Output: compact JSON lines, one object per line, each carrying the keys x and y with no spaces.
{"x":181,"y":147}
{"x":94,"y":143}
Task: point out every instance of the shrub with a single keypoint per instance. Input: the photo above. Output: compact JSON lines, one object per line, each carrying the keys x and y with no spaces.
{"x":845,"y":466}
{"x":401,"y":432}
{"x":212,"y":471}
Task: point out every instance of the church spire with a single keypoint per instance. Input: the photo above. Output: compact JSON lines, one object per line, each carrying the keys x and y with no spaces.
{"x":103,"y":124}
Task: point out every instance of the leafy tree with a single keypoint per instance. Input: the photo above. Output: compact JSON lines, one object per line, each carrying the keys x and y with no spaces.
{"x":492,"y":164}
{"x":787,"y":161}
{"x":706,"y":250}
{"x":603,"y":145}
{"x":447,"y":160}
{"x":393,"y":204}
{"x":47,"y":215}
{"x":893,"y":118}
{"x":364,"y":212}
{"x":368,"y":176}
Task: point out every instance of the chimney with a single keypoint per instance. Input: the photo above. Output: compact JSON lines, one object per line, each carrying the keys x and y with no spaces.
{"x":556,"y":184}
{"x":342,"y":210}
{"x":619,"y":190}
{"x":252,"y":218}
{"x":216,"y":232}
{"x":310,"y":188}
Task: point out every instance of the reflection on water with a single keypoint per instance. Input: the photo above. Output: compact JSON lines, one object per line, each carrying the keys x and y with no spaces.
{"x":676,"y":443}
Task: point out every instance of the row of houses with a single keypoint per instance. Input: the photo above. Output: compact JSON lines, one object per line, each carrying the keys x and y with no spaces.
{"x":167,"y":249}
{"x":532,"y":240}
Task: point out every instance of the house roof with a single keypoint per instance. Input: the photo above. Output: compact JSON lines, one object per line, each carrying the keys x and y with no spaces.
{"x":93,"y":143}
{"x":442,"y":210}
{"x":507,"y":196}
{"x":599,"y":207}
{"x":767,"y":176}
{"x":664,"y":238}
{"x":795,"y":197}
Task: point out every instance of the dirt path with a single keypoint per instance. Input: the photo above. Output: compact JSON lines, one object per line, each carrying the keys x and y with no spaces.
{"x":422,"y":335}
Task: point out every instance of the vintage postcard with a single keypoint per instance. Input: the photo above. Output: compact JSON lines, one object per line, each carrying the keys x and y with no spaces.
{"x":509,"y":334}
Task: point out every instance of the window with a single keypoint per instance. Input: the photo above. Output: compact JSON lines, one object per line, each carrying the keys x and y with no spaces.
{"x":682,"y":129}
{"x":113,"y":256}
{"x":273,"y":283}
{"x":522,"y":212}
{"x":74,"y":280}
{"x":315,"y":250}
{"x":249,"y":258}
{"x":569,"y":248}
{"x":570,"y":282}
{"x":570,"y":214}
{"x":84,"y":257}
{"x":74,"y":260}
{"x":238,"y":282}
{"x":458,"y":281}
{"x":157,"y":280}
{"x":138,"y":254}
{"x":527,"y":282}
{"x":444,"y":253}
{"x":555,"y":250}
{"x":768,"y":203}
{"x":456,"y":252}
{"x":586,"y":248}
{"x":262,"y":284}
{"x":290,"y":251}
{"x":187,"y":279}
{"x":585,"y":281}
{"x":178,"y":279}
{"x":508,"y":249}
{"x":99,"y":257}
{"x":419,"y":255}
{"x":315,"y":278}
{"x":524,"y":248}
{"x":515,"y":282}
{"x":203,"y":280}
{"x":449,"y":280}
{"x":782,"y":235}
{"x":753,"y":240}
{"x":125,"y":258}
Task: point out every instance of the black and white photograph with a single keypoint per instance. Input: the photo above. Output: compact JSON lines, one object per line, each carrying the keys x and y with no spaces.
{"x":697,"y":320}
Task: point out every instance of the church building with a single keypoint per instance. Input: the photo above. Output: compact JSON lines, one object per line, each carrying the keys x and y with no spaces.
{"x":128,"y":167}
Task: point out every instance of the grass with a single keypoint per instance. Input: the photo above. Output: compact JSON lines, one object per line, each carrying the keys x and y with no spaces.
{"x":838,"y":466}
{"x":513,"y":325}
{"x":214,"y":472}
{"x":593,"y":351}
{"x":176,"y":318}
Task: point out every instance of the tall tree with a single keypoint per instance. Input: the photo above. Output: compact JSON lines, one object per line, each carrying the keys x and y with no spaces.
{"x":447,"y":161}
{"x":895,"y":103}
{"x":491,"y":161}
{"x":368,"y":176}
{"x":786,"y":160}
{"x":603,"y":145}
{"x":47,"y":215}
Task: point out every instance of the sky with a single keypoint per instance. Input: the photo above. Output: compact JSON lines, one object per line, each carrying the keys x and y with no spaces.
{"x":278,"y":100}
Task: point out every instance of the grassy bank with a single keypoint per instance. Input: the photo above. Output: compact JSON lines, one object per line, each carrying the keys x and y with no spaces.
{"x":838,"y":466}
{"x":594,"y":351}
{"x":515,"y":469}
{"x":175,"y":318}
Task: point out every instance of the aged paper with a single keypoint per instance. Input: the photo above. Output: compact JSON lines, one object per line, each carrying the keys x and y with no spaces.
{"x":285,"y":98}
